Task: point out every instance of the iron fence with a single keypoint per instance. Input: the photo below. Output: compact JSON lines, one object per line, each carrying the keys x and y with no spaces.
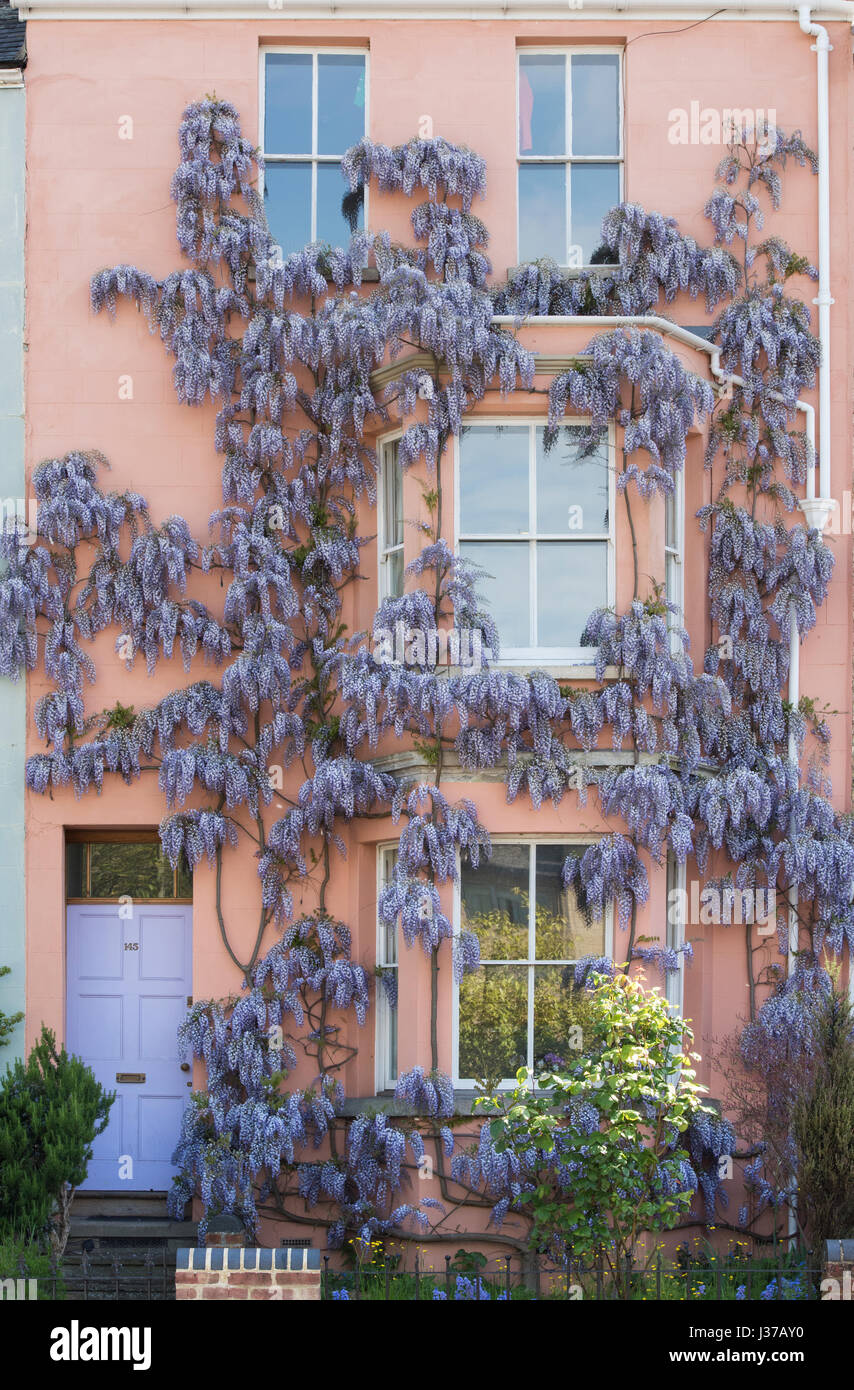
{"x":511,"y":1278}
{"x":128,"y":1275}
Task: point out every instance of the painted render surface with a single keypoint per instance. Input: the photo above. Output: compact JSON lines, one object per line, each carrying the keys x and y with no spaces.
{"x":95,"y":199}
{"x":12,"y":487}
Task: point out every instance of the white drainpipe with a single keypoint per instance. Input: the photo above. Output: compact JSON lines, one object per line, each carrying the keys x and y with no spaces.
{"x":818,"y":510}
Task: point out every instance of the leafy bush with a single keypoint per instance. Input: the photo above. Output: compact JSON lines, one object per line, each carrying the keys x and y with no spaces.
{"x":8,"y":1022}
{"x":22,"y":1260}
{"x":51,"y":1111}
{"x":608,"y":1128}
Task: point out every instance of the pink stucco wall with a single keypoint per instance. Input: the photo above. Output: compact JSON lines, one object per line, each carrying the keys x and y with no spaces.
{"x":95,"y":200}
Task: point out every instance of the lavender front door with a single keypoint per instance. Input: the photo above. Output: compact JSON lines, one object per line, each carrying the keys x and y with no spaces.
{"x":129,"y":981}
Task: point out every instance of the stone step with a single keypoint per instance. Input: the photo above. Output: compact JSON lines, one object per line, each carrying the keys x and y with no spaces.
{"x":130,"y":1233}
{"x":95,"y":1203}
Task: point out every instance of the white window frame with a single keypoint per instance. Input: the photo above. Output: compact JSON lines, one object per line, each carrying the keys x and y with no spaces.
{"x":386,"y":1031}
{"x":675,"y":933}
{"x":674,"y":550}
{"x":568,"y":159}
{"x":467,"y":1083}
{"x":386,"y":459}
{"x":542,"y":656}
{"x":314,"y":51}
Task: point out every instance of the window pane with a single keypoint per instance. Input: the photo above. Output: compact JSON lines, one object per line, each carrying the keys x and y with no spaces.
{"x":595,"y":190}
{"x":542,"y":212}
{"x":388,"y":930}
{"x":505,"y":587}
{"x":671,"y":520}
{"x":287,"y":104}
{"x":572,"y":492}
{"x":571,"y":582}
{"x":340,"y":101}
{"x":75,"y":870}
{"x":392,"y":1045}
{"x":141,"y":870}
{"x":495,"y":900}
{"x":595,"y":103}
{"x":185,"y":878}
{"x":561,"y":931}
{"x":556,"y":1013}
{"x":392,"y":498}
{"x":494,"y":1021}
{"x":674,"y":927}
{"x":494,"y":479}
{"x":331,"y":222}
{"x":287,"y":195}
{"x":542,"y":104}
{"x":394,"y":578}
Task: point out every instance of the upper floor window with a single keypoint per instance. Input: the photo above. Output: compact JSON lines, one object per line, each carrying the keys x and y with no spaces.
{"x":390,"y":522}
{"x":539,"y":524}
{"x":518,"y":1009}
{"x":313,"y":108}
{"x":570,"y":151}
{"x":673,"y":534}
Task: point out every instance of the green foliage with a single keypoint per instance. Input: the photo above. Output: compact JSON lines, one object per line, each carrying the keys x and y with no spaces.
{"x":823,"y":1128}
{"x":51,"y":1111}
{"x":22,"y":1260}
{"x":120,"y":716}
{"x":613,"y":1119}
{"x":493,"y":1022}
{"x":468,"y":1261}
{"x":8,"y":1022}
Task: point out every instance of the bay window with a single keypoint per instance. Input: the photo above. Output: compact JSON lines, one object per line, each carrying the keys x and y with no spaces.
{"x":539,"y":525}
{"x":390,"y":522}
{"x":386,"y":985}
{"x":675,"y":934}
{"x":517,"y":1009}
{"x":674,"y":530}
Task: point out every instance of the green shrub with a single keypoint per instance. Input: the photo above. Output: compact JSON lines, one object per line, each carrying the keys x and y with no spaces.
{"x":51,"y":1111}
{"x":8,"y":1022}
{"x":20,"y":1260}
{"x":823,"y":1126}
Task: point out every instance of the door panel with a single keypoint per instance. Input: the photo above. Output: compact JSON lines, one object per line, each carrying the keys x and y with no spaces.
{"x":128,"y":982}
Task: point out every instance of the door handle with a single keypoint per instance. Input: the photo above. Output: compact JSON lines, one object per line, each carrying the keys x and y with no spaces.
{"x":185,"y":1066}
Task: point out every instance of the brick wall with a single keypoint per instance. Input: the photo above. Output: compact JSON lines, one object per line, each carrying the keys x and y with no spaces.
{"x":227,"y":1271}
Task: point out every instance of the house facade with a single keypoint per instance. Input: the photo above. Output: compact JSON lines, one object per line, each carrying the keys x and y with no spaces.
{"x":574,"y":109}
{"x":13,"y":60}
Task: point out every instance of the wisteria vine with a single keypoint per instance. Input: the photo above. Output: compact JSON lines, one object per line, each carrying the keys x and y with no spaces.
{"x":286,"y":350}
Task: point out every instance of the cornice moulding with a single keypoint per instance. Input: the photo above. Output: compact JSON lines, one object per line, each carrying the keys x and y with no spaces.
{"x":513,"y":10}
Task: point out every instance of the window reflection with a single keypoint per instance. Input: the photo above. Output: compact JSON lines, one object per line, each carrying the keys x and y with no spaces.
{"x":521,"y":1008}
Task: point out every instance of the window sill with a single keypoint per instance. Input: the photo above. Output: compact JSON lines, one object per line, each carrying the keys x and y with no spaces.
{"x":463,"y":1106}
{"x":385,"y":1103}
{"x":569,"y":670}
{"x":572,"y":272}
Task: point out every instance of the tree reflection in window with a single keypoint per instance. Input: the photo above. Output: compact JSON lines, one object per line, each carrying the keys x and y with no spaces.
{"x":114,"y":869}
{"x":520,"y":1008}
